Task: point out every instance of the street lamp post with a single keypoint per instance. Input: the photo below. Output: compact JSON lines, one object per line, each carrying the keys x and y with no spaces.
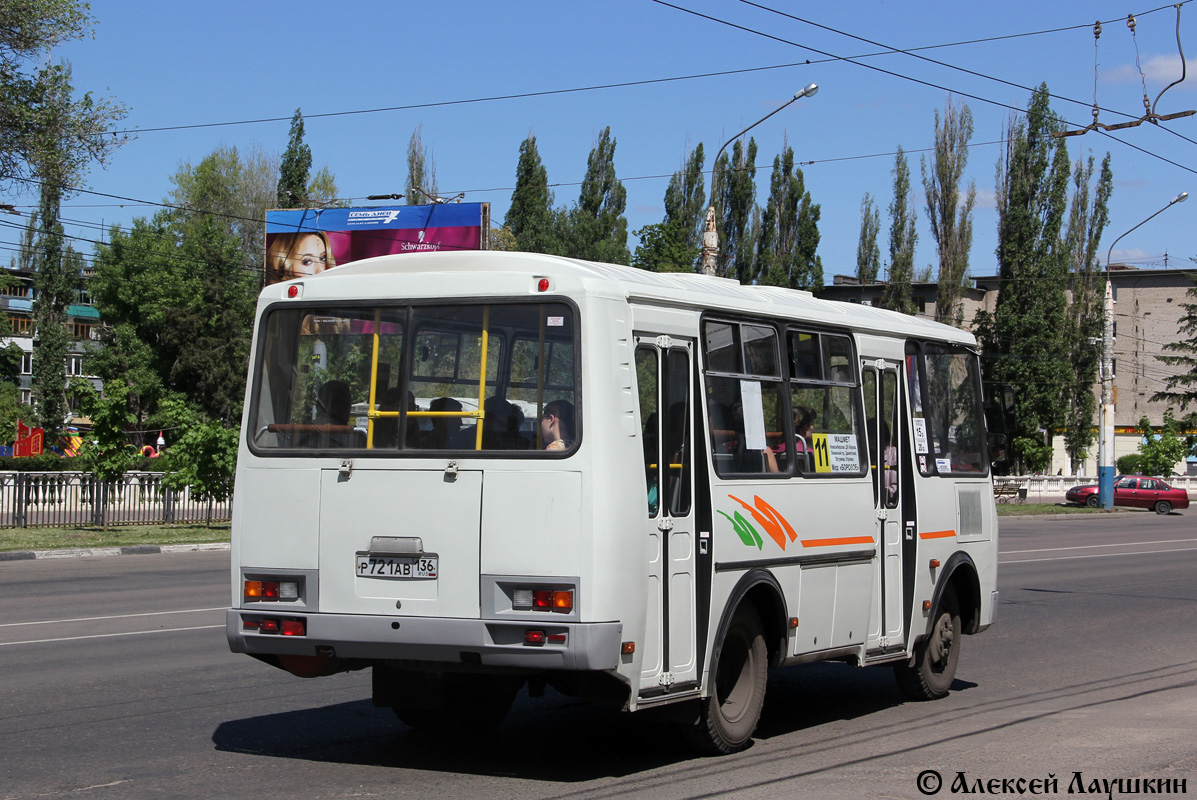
{"x":710,"y":236}
{"x":1105,"y":434}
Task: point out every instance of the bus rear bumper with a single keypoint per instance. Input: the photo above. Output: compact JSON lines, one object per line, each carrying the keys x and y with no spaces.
{"x":565,"y":645}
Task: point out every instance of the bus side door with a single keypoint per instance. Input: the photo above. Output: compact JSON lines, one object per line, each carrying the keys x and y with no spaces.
{"x":879,"y":380}
{"x":664,"y":374}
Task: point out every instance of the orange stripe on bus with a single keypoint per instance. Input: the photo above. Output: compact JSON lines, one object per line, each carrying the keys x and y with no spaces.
{"x":937,"y":534}
{"x":834,"y":542}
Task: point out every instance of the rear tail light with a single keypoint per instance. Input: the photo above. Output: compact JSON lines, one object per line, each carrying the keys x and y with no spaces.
{"x":271,"y":590}
{"x":287,"y":627}
{"x":538,"y":599}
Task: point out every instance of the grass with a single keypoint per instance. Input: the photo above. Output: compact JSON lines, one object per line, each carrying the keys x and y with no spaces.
{"x":115,"y":536}
{"x":1045,"y":509}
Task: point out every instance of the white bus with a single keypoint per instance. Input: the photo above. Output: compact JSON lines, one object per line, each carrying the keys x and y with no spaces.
{"x":472,"y":472}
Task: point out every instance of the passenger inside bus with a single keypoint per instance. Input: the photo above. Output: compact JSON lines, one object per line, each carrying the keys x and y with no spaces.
{"x":501,"y":426}
{"x":557,"y":425}
{"x":333,"y":403}
{"x":386,"y":429}
{"x":444,"y":429}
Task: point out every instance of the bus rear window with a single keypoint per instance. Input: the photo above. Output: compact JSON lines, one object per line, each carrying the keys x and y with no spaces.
{"x":419,"y":378}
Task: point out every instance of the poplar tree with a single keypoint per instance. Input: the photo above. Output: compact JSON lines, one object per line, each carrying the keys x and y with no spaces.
{"x":294,"y":168}
{"x":54,"y":285}
{"x":868,"y":253}
{"x":898,"y":294}
{"x":1026,"y":339}
{"x":950,"y":213}
{"x":1087,"y":218}
{"x":421,"y":171}
{"x":673,"y":244}
{"x":735,"y":201}
{"x":789,"y":234}
{"x":596,"y":228}
{"x":530,"y":216}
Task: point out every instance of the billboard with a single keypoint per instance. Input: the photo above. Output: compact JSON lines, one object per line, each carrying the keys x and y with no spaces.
{"x":305,"y":241}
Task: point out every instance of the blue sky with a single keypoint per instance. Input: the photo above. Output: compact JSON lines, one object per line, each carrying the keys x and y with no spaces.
{"x":176,"y":64}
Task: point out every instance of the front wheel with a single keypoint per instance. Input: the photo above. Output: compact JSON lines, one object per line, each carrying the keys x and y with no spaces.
{"x":1163,"y":507}
{"x":1092,"y":501}
{"x":729,"y":716}
{"x":936,"y":656}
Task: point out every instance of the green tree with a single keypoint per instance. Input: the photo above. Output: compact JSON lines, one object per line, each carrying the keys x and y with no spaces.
{"x":203,"y":458}
{"x":530,"y":216}
{"x":236,"y":191}
{"x":323,"y":192}
{"x":1159,"y":453}
{"x":54,"y":285}
{"x":1087,"y":218}
{"x":596,"y":228}
{"x":178,"y":296}
{"x":421,"y":171}
{"x":294,"y":168}
{"x":734,"y":190}
{"x":868,"y":253}
{"x":1181,"y":387}
{"x":673,"y":245}
{"x":106,"y":453}
{"x":898,"y":295}
{"x":38,"y":111}
{"x":789,"y":231}
{"x":1026,"y":342}
{"x":950,"y":214}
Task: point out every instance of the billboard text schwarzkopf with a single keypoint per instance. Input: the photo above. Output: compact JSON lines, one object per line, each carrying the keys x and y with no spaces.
{"x":301,"y":242}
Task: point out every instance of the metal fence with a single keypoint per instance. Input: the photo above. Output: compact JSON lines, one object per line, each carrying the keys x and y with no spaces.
{"x":74,"y":499}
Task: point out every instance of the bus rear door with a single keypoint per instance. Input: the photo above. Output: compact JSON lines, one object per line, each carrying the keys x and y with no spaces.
{"x":664,"y":367}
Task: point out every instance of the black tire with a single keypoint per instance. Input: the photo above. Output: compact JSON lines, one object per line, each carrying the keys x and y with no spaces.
{"x":936,"y":656}
{"x":1163,"y":507}
{"x":1093,"y":501}
{"x":468,"y":704}
{"x":728,"y":717}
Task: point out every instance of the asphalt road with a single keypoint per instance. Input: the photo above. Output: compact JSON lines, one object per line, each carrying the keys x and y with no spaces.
{"x":116,"y":682}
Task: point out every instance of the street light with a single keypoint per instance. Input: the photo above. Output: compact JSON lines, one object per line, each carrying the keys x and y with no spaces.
{"x":1105,"y":438}
{"x":710,"y":236}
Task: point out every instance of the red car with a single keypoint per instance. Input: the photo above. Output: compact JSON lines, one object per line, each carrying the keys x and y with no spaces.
{"x":1134,"y":491}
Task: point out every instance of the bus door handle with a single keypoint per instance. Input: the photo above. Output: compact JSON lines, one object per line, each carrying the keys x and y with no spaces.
{"x":665,"y":524}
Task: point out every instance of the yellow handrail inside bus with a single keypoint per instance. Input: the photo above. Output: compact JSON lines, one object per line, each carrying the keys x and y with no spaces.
{"x":482,"y":376}
{"x":370,"y":413}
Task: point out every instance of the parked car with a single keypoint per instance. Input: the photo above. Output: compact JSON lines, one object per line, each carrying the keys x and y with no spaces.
{"x":1133,"y":491}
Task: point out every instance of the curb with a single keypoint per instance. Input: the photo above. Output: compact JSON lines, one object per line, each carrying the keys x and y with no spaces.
{"x":134,"y":550}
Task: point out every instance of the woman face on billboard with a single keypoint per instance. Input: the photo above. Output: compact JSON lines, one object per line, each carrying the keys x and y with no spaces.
{"x":298,"y":255}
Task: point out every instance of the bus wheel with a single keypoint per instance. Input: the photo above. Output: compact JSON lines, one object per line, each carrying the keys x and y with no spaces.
{"x":729,"y":716}
{"x":936,"y":656}
{"x":470,"y":703}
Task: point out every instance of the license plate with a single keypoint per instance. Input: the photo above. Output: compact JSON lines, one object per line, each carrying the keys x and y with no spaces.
{"x":402,"y":567}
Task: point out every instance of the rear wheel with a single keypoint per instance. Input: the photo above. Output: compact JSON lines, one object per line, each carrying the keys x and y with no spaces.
{"x":936,"y":656}
{"x":467,"y":704}
{"x":1163,"y":507}
{"x":729,"y":716}
{"x":1093,"y":501}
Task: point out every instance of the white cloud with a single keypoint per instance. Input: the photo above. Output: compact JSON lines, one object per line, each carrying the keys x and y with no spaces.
{"x":1159,"y":71}
{"x":986,"y":199}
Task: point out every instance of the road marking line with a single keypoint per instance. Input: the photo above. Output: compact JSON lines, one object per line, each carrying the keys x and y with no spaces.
{"x":108,"y":635}
{"x":113,"y":616}
{"x":1099,"y":555}
{"x":1093,"y":546}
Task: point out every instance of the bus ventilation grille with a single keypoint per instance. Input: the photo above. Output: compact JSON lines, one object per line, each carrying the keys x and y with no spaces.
{"x":969,"y":505}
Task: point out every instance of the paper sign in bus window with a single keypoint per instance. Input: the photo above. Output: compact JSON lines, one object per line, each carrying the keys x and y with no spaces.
{"x":920,"y":435}
{"x":754,"y":415}
{"x":836,"y":452}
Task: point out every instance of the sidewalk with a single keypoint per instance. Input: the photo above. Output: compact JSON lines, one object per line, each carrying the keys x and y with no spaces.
{"x":80,"y":552}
